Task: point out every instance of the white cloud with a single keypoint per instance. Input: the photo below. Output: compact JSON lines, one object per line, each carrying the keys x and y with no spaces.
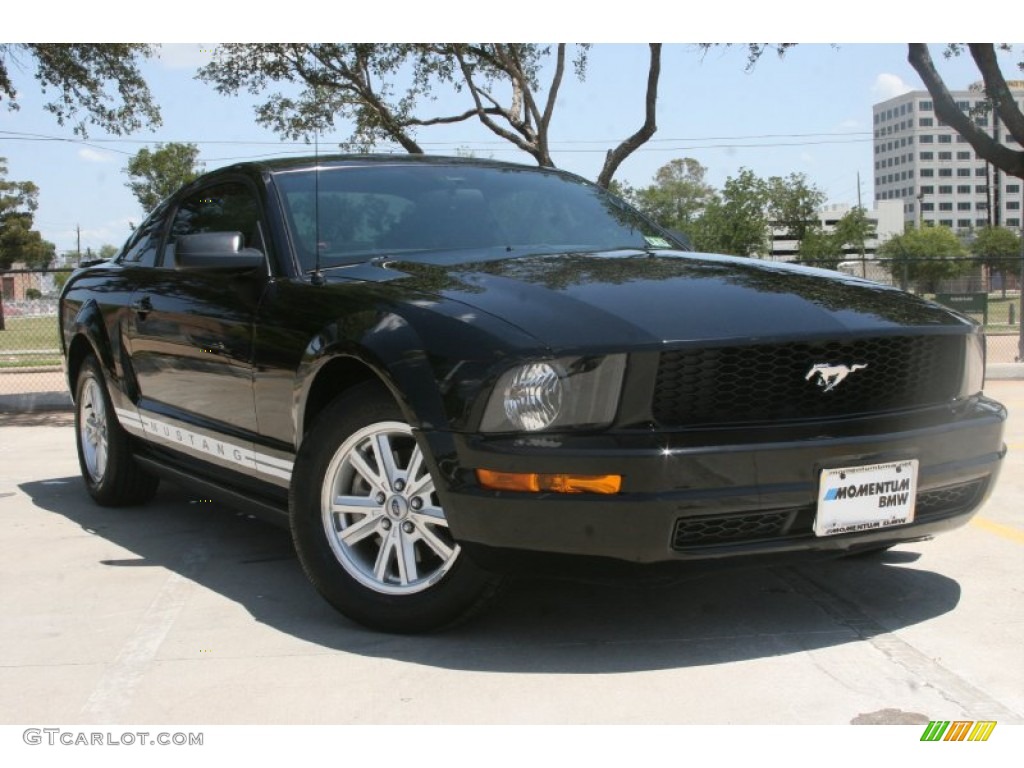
{"x":889,"y":86}
{"x":94,"y":156}
{"x":849,"y":125}
{"x":185,"y":55}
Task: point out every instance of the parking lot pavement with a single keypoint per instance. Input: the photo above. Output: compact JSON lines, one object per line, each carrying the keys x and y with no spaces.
{"x":190,"y":613}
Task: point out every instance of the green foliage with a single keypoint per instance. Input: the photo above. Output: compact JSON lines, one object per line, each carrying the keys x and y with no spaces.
{"x":108,"y":251}
{"x":33,"y":293}
{"x":159,"y":173}
{"x":820,"y":249}
{"x":736,"y":220}
{"x":793,"y":204}
{"x":828,"y":249}
{"x":926,"y":256}
{"x":678,"y":196}
{"x":84,"y":76}
{"x":998,"y":249}
{"x":59,"y":279}
{"x":353,"y":84}
{"x":18,"y":241}
{"x":511,"y":89}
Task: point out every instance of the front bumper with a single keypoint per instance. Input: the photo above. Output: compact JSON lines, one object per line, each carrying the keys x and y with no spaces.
{"x":695,"y":497}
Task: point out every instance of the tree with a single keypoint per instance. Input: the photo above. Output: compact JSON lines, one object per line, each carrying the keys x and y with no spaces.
{"x":793,"y":204}
{"x":926,"y":256}
{"x":735,"y":221}
{"x":356,"y":83}
{"x":998,"y":249}
{"x":828,"y":249}
{"x":84,"y":74}
{"x":18,"y":241}
{"x":678,"y":196}
{"x":159,"y":173}
{"x":820,"y":248}
{"x":996,"y":90}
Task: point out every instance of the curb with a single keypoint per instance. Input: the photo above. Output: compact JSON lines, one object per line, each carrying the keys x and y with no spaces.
{"x":1004,"y":371}
{"x":34,"y":402}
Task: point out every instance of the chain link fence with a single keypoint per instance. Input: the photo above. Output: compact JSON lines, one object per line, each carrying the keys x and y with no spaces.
{"x":30,"y":360}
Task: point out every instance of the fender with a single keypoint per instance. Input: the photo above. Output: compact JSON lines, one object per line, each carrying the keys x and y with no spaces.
{"x":392,"y":351}
{"x":88,"y":323}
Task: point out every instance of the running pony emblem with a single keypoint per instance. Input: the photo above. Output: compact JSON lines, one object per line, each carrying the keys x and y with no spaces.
{"x":830,"y":376}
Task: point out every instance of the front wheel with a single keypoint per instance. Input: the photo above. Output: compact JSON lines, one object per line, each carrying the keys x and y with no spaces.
{"x":111,"y":475}
{"x":368,"y":526}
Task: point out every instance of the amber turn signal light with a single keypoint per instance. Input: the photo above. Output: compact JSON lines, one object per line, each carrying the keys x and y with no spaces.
{"x":535,"y":483}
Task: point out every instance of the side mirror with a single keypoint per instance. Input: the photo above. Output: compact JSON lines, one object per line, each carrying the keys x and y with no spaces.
{"x":215,"y":250}
{"x":682,"y":238}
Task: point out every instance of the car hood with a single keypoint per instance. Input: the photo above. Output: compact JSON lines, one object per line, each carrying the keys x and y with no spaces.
{"x":633,"y":297}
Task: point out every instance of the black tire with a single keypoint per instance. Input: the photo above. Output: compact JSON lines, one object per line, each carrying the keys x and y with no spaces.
{"x":383,"y":557}
{"x":108,"y":467}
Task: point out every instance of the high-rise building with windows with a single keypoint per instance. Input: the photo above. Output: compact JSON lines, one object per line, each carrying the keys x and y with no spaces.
{"x":934,"y":172}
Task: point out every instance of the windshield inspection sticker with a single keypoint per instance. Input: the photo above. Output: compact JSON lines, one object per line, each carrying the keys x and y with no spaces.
{"x":852,"y":499}
{"x":657,"y":242}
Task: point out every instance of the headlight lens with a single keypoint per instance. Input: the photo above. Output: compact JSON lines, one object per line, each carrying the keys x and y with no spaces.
{"x":974,"y":365}
{"x":565,"y":392}
{"x":533,"y":398}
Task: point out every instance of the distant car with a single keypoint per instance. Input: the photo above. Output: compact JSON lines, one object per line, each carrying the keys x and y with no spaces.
{"x":438,"y":371}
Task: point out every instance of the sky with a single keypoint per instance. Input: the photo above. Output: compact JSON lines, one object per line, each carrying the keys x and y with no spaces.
{"x":808,"y":112}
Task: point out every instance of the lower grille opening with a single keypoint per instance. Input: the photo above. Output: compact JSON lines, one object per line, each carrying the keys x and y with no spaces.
{"x":748,"y":527}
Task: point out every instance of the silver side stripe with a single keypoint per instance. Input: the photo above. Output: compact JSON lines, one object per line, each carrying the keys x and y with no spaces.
{"x":193,"y":442}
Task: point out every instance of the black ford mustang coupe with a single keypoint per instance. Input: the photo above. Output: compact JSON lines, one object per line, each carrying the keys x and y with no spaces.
{"x":436,"y":371}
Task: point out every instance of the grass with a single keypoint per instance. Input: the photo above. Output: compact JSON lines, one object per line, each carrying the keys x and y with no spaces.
{"x":21,"y":334}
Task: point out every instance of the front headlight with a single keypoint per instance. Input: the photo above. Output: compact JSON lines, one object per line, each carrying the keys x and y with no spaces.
{"x":974,"y":366}
{"x":549,"y":394}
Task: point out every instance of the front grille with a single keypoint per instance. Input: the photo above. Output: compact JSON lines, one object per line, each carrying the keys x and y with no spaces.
{"x":769,"y":382}
{"x":748,"y":527}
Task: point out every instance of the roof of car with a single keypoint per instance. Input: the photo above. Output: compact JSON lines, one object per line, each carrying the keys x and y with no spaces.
{"x":291,"y":163}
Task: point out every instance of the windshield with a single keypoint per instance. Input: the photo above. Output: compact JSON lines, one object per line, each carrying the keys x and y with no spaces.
{"x":386,"y":210}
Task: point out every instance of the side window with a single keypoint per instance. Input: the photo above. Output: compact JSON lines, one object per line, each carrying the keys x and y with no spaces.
{"x":141,"y":248}
{"x":225,"y":207}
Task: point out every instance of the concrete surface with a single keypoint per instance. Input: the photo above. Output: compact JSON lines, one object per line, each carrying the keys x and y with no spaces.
{"x":189,"y":613}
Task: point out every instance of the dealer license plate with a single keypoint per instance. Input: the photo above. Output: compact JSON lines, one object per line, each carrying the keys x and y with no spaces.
{"x":865,"y":498}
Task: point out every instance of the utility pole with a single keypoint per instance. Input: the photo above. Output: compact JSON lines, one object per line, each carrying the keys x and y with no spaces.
{"x":1020,"y":292}
{"x":78,"y":250}
{"x":863,"y":266}
{"x":997,"y":217}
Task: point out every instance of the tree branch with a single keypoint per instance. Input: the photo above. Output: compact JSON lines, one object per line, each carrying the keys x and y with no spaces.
{"x":945,"y":107}
{"x":615,"y":156}
{"x":997,"y":90}
{"x":485,"y":117}
{"x":454,"y":118}
{"x":360,"y":84}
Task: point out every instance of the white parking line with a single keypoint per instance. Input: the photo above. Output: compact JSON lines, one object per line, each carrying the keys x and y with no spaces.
{"x":111,"y":699}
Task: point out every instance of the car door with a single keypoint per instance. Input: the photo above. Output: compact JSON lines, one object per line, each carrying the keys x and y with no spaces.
{"x":190,"y":330}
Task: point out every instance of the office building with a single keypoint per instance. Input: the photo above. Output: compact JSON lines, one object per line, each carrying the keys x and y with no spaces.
{"x":933,"y":171}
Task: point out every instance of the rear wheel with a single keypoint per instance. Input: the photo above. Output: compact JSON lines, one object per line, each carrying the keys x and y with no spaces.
{"x":111,"y":475}
{"x":369,"y":527}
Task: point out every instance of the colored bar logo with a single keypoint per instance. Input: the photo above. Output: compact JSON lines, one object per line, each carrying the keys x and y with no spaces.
{"x":958,"y":730}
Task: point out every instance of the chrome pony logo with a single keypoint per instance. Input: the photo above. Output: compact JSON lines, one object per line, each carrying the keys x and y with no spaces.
{"x":830,"y":376}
